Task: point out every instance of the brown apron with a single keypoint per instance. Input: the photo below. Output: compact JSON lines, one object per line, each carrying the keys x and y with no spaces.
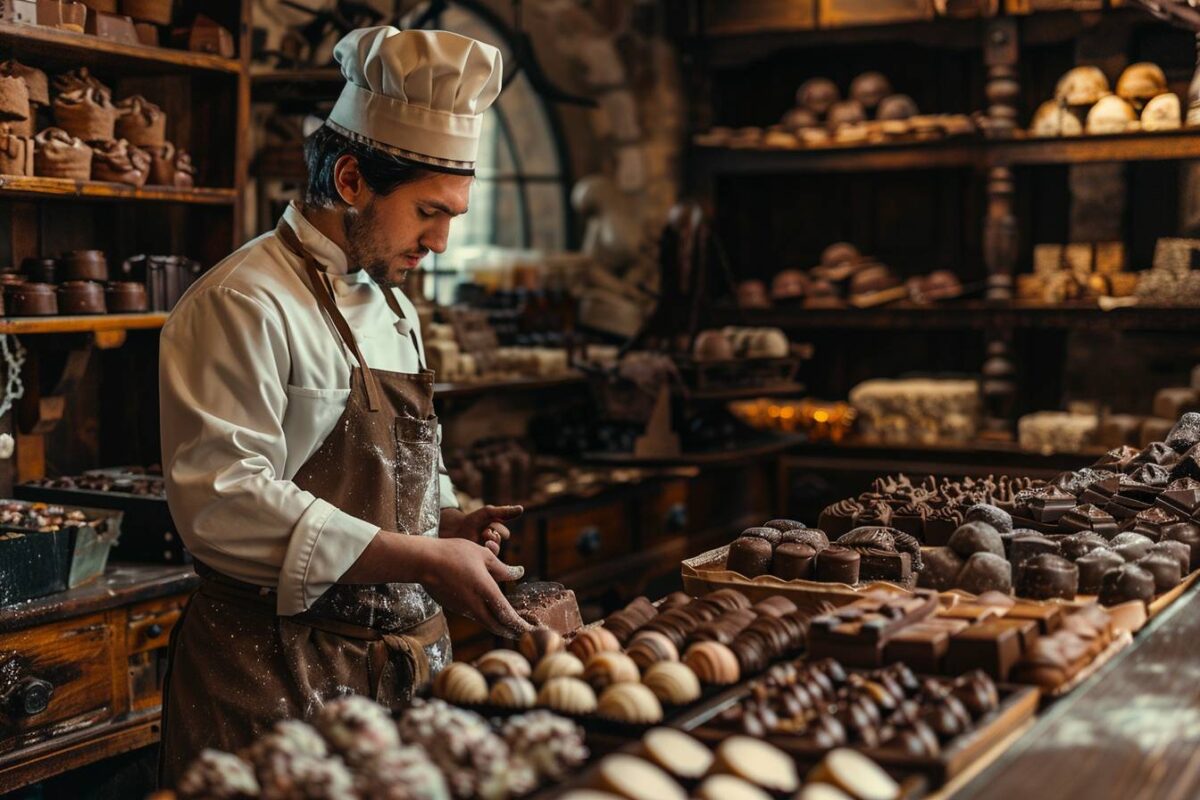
{"x":235,"y":666}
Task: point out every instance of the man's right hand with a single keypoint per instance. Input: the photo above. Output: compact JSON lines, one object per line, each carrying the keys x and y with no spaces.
{"x":462,"y":576}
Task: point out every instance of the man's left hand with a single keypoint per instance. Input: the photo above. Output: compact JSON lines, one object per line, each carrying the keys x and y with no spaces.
{"x":483,"y":526}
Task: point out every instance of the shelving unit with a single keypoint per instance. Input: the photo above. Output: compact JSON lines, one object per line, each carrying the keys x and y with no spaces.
{"x":81,"y":324}
{"x":61,"y":49}
{"x":34,"y":188}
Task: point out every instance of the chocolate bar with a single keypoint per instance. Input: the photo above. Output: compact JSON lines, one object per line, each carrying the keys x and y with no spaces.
{"x":992,"y":646}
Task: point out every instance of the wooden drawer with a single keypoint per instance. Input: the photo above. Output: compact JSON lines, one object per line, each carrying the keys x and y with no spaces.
{"x":585,"y":538}
{"x":147,"y":637}
{"x":665,"y":512}
{"x":55,"y":679}
{"x":848,"y":13}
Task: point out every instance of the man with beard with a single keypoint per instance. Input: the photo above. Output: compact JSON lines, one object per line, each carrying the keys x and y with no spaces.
{"x":300,"y":449}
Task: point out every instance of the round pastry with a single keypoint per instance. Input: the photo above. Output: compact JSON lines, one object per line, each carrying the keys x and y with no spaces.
{"x":502,"y":664}
{"x":651,"y":647}
{"x":749,"y":556}
{"x":461,"y":684}
{"x":567,"y":696}
{"x":1047,"y":575}
{"x":793,"y":561}
{"x":117,"y":162}
{"x":768,"y":534}
{"x":557,"y":665}
{"x":511,"y":692}
{"x":729,"y":787}
{"x":713,"y":663}
{"x":1080,"y":544}
{"x":1131,"y":546}
{"x":837,"y":564}
{"x":589,"y":641}
{"x":87,"y":114}
{"x":758,"y":762}
{"x":630,"y":702}
{"x":1124,"y":583}
{"x":356,"y":728}
{"x":58,"y":154}
{"x":140,"y":122}
{"x":976,"y":537}
{"x":998,"y":518}
{"x":677,"y":753}
{"x":636,"y":779}
{"x":673,"y":683}
{"x":1092,"y":567}
{"x":606,"y":668}
{"x":941,"y":569}
{"x":539,"y":643}
{"x":855,"y":774}
{"x":986,"y":572}
{"x":215,"y":775}
{"x":1165,"y":569}
{"x":1176,"y":550}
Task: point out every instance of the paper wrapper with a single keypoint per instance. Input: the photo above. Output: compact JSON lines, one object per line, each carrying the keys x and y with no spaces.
{"x":706,"y":573}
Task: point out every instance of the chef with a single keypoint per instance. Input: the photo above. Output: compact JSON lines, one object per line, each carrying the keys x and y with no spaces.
{"x":301,"y":451}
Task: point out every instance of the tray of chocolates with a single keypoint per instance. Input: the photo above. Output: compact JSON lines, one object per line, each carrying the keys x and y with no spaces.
{"x":48,"y":548}
{"x":668,"y":764}
{"x":904,"y":722}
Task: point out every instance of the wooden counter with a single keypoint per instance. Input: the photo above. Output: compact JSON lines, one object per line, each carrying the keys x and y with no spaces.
{"x":81,"y":671}
{"x":1133,"y":730}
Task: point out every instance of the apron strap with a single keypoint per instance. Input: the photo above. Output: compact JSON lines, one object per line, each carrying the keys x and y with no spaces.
{"x":324,"y":297}
{"x":394,"y":305}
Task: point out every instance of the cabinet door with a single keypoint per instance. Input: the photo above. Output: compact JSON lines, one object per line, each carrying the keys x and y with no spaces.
{"x":586,"y":538}
{"x":55,"y":679}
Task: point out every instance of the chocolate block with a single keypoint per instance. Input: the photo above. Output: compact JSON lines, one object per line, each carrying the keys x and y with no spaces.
{"x":910,"y":518}
{"x":922,"y":647}
{"x":547,"y":605}
{"x":1045,"y":504}
{"x":1088,"y":517}
{"x":991,"y":646}
{"x":1158,"y":453}
{"x":1188,"y":465}
{"x":1153,"y":522}
{"x":1027,"y":630}
{"x":1185,"y":434}
{"x":1181,"y":497}
{"x":1048,"y":617}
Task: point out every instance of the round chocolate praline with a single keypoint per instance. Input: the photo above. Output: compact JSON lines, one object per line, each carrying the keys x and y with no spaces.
{"x":976,"y":537}
{"x":837,"y":564}
{"x":941,"y":569}
{"x":749,"y":556}
{"x":793,"y":562}
{"x":1177,"y":550}
{"x":1131,"y":546}
{"x":986,"y":572}
{"x":1077,"y":545}
{"x":1165,"y":569}
{"x":1045,"y":576}
{"x":1124,"y":583}
{"x":1092,"y":567}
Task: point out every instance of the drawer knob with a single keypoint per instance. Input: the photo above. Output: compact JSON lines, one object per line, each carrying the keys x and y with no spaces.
{"x":29,"y":696}
{"x":677,"y":517}
{"x":589,"y":541}
{"x":154,"y":631}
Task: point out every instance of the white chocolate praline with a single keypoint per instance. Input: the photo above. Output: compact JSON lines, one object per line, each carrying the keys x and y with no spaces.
{"x":461,"y":684}
{"x":513,"y":692}
{"x":855,"y":774}
{"x":728,"y":787}
{"x":589,"y":641}
{"x":758,"y":762}
{"x":609,"y":667}
{"x":502,"y":664}
{"x":630,"y":702}
{"x":567,"y":696}
{"x":636,"y":779}
{"x":673,"y":683}
{"x":677,"y":753}
{"x":557,"y":665}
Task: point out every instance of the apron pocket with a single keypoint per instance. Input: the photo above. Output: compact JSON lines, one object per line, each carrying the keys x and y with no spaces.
{"x":410,"y":430}
{"x":416,"y":473}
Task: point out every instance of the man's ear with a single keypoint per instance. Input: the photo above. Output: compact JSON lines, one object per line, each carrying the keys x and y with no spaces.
{"x":348,"y":181}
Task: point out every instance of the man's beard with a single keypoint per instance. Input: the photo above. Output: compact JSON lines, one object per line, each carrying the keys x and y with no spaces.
{"x":364,"y":248}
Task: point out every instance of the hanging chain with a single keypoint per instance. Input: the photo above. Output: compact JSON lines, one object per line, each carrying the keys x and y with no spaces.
{"x":13,"y":353}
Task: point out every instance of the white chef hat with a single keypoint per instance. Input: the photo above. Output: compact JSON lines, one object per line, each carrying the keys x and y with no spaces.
{"x":416,"y":94}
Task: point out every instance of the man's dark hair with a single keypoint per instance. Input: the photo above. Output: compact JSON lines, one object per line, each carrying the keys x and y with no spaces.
{"x":383,"y":172}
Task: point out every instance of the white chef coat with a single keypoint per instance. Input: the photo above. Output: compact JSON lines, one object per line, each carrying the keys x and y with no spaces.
{"x":252,"y":378}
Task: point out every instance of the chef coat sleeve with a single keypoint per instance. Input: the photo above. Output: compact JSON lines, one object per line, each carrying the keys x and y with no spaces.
{"x":223,"y":373}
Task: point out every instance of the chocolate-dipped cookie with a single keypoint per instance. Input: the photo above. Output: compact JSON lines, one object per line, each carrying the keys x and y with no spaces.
{"x":976,"y":537}
{"x":793,"y":561}
{"x":941,"y":568}
{"x":986,"y":572}
{"x":1046,"y":575}
{"x":837,"y":564}
{"x":1092,"y":567}
{"x":750,"y":556}
{"x":1124,"y":583}
{"x":1165,"y":569}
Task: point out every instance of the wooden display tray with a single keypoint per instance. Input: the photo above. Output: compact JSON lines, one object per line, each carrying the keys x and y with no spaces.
{"x":1018,"y":704}
{"x":704,"y":573}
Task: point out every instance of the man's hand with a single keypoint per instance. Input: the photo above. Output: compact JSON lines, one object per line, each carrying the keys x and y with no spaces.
{"x":483,"y":526}
{"x":462,"y":576}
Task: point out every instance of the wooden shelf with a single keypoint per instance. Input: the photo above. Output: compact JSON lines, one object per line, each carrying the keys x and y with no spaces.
{"x":66,"y":189}
{"x":757,"y":448}
{"x":83,"y":324}
{"x":57,"y":50}
{"x":956,"y":153}
{"x":785,"y":389}
{"x":442,"y":391}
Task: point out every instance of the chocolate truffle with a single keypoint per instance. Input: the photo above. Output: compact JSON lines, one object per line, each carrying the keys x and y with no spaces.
{"x":1092,"y":567}
{"x":793,"y":561}
{"x":767,"y":534}
{"x":986,"y":572}
{"x":1165,"y":569}
{"x":942,"y":566}
{"x":998,"y":518}
{"x":812,"y":537}
{"x":837,"y":564}
{"x":749,"y":556}
{"x":1189,"y":534}
{"x":1177,"y":550}
{"x":1078,"y":545}
{"x":1045,"y":576}
{"x":1131,"y":546}
{"x":977,"y":537}
{"x":782,"y":525}
{"x":1124,"y":583}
